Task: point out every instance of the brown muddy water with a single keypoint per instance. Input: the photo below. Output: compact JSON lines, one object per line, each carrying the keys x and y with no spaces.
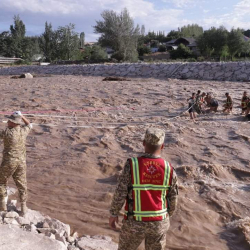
{"x":72,"y":171}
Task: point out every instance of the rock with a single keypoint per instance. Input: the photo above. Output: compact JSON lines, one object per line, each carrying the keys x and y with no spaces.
{"x":34,"y":216}
{"x":73,"y":248}
{"x":31,"y":228}
{"x":22,"y":221}
{"x":11,"y":221}
{"x":61,"y":239}
{"x":45,"y":225}
{"x":71,"y":239}
{"x":12,"y":214}
{"x":16,"y":238}
{"x":75,"y":235}
{"x":97,"y":243}
{"x":50,"y":235}
{"x":61,"y":228}
{"x":26,"y":75}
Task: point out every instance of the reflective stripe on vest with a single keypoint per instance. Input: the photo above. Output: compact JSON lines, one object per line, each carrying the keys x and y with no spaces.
{"x":138,"y":188}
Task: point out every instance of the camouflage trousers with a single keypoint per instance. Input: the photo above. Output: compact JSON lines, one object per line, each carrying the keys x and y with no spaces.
{"x":18,"y":171}
{"x":134,"y":232}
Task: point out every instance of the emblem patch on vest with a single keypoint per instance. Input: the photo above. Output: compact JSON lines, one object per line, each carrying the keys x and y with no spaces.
{"x":151,"y":169}
{"x":151,"y":173}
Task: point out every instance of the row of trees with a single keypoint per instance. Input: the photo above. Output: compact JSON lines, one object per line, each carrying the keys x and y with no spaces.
{"x":221,"y":43}
{"x":118,"y":32}
{"x":63,"y":43}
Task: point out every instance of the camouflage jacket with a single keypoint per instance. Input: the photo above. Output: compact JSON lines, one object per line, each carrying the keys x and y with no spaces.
{"x":14,"y":143}
{"x":125,"y":184}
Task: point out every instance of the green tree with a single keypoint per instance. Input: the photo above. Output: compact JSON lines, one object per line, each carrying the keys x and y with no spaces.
{"x":68,"y":42}
{"x":224,"y":53}
{"x":98,"y":54}
{"x":118,"y":32}
{"x":5,"y":44}
{"x":17,"y":36}
{"x":182,"y":52}
{"x":173,"y":34}
{"x":235,"y":42}
{"x":48,"y":43}
{"x":246,"y":48}
{"x":247,"y":33}
{"x":143,"y":49}
{"x":212,"y":41}
{"x":82,"y":39}
{"x":162,"y":48}
{"x":193,"y":30}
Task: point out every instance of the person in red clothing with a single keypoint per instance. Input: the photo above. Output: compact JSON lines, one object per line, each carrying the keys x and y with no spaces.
{"x":148,"y":185}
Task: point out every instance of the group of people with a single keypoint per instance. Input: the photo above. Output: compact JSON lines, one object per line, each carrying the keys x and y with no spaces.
{"x":199,"y":101}
{"x":148,"y":186}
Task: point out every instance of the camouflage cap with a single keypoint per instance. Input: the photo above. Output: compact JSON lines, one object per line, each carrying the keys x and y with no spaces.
{"x":154,"y":136}
{"x":15,"y":119}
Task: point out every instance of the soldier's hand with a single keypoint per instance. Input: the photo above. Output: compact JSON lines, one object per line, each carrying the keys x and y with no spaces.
{"x":17,"y":113}
{"x":112,"y":221}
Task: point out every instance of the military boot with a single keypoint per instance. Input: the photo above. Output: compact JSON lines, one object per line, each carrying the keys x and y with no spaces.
{"x":3,"y":206}
{"x":24,"y":208}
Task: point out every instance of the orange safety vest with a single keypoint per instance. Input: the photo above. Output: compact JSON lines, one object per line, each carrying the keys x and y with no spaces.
{"x":151,"y":182}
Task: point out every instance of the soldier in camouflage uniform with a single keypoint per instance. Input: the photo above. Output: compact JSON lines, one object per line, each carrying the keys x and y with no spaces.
{"x":133,"y":232}
{"x":14,"y":158}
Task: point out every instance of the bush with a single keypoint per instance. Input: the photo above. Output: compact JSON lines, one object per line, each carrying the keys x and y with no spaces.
{"x":201,"y":59}
{"x":143,"y":50}
{"x":182,"y":52}
{"x":118,"y":56}
{"x":162,"y":48}
{"x":98,"y":54}
{"x":191,"y":60}
{"x":22,"y":62}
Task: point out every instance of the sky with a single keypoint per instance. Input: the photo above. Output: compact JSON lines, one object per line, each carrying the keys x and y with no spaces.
{"x":156,"y":15}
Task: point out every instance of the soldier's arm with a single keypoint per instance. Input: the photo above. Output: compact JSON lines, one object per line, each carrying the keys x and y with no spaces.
{"x":172,"y":196}
{"x":28,"y":126}
{"x":121,"y":191}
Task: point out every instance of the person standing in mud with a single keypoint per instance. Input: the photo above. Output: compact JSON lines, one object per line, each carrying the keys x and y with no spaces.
{"x":228,"y":107}
{"x":191,"y":107}
{"x":244,"y":101}
{"x":14,"y":158}
{"x":148,"y":184}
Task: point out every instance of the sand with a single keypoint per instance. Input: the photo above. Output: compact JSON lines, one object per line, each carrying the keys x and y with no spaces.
{"x":72,"y":170}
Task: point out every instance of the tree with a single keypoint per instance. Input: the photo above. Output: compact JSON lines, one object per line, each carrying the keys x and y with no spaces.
{"x":235,"y":42}
{"x":48,"y":43}
{"x":247,"y":33}
{"x":224,"y":53}
{"x":193,"y":30}
{"x":173,"y":35}
{"x":82,"y":39}
{"x":182,"y":52}
{"x":68,"y":42}
{"x":162,"y":48}
{"x":5,"y":44}
{"x":212,"y":41}
{"x":118,"y":32}
{"x":143,"y":49}
{"x":143,"y":30}
{"x":17,"y":37}
{"x":246,"y":48}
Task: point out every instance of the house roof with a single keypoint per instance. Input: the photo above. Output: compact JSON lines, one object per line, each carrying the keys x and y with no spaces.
{"x":190,"y":40}
{"x":171,"y":42}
